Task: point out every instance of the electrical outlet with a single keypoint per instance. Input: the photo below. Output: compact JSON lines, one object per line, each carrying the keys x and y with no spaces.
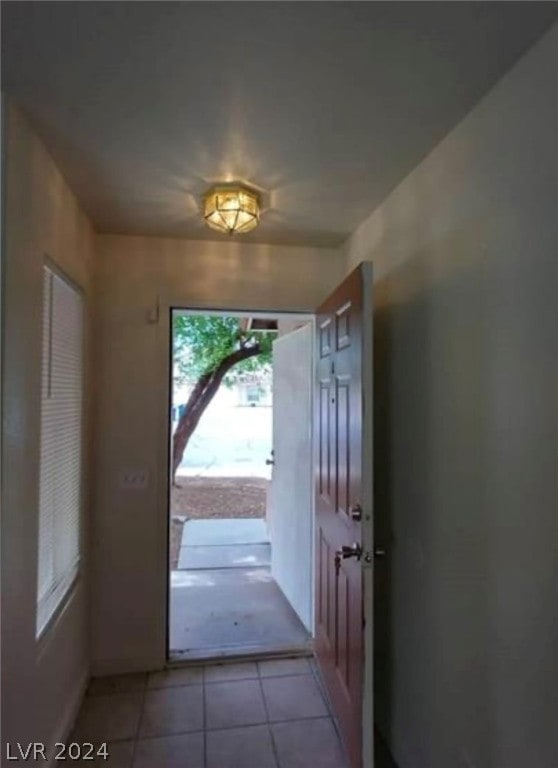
{"x":133,"y":479}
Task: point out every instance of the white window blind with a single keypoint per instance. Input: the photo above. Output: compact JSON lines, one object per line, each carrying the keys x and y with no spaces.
{"x":61,"y":444}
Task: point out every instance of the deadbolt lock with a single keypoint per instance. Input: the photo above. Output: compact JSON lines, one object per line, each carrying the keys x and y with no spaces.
{"x":356,"y":512}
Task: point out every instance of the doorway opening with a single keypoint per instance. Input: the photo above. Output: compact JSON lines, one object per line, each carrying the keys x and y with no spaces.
{"x":241,"y":484}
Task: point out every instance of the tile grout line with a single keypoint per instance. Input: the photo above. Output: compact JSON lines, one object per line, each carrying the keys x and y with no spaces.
{"x":323,"y":692}
{"x":321,"y":687}
{"x":265,"y":722}
{"x":222,"y":728}
{"x":140,"y":719}
{"x":268,"y":721}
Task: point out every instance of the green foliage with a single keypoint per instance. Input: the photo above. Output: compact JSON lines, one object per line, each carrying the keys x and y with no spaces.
{"x":200,"y":342}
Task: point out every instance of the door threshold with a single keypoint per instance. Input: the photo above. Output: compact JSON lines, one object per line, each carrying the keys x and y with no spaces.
{"x":230,"y":654}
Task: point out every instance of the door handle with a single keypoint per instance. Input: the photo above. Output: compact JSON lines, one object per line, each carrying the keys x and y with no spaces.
{"x":355,"y":550}
{"x":269,"y":462}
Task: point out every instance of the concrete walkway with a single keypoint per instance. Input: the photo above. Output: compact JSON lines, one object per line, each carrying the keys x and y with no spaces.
{"x":224,"y":599}
{"x":224,"y":543}
{"x":219,"y":612}
{"x":211,"y":533}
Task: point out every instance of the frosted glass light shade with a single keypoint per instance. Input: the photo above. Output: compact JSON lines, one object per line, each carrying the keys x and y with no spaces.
{"x":231,"y":209}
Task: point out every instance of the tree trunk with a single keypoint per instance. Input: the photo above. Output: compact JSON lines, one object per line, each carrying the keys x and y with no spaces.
{"x":203,"y":393}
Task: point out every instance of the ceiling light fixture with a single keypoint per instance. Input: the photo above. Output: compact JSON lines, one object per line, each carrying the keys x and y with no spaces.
{"x":231,"y":208}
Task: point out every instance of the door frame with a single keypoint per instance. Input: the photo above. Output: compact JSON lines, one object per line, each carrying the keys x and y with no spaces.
{"x":367,"y":529}
{"x":367,"y":487}
{"x":259,"y":313}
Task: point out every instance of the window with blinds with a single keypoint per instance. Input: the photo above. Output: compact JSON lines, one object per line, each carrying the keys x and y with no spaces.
{"x":61,"y":444}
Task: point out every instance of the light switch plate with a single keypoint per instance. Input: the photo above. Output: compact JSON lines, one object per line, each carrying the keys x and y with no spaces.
{"x":133,"y":479}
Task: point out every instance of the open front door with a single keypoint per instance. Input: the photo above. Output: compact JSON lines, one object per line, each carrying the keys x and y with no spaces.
{"x":343,"y":514}
{"x":290,"y":494}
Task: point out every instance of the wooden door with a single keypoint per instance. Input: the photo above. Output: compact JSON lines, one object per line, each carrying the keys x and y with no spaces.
{"x":343,"y":499}
{"x":290,"y":493}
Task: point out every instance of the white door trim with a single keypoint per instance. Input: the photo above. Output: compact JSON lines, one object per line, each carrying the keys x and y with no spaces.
{"x":367,"y":480}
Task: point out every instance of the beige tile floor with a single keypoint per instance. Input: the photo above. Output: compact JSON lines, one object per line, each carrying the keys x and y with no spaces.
{"x":243,"y":715}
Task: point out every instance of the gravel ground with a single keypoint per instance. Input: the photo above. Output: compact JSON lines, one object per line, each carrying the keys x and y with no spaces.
{"x":213,"y":498}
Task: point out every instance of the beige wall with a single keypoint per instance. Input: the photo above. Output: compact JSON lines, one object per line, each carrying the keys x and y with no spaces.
{"x":465,"y":255}
{"x":465,"y":263}
{"x":134,"y":275}
{"x":41,"y":682}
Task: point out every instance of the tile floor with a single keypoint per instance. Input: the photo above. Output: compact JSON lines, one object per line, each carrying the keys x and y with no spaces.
{"x":268,"y":714}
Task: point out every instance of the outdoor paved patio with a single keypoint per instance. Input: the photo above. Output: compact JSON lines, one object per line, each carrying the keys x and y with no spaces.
{"x":224,"y":543}
{"x":237,"y":556}
{"x":224,"y":599}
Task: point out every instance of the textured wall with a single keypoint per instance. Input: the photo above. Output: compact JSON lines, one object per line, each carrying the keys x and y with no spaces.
{"x":465,"y":256}
{"x":41,"y":682}
{"x":132,"y":356}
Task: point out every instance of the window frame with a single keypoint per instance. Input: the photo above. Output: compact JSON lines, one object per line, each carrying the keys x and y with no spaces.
{"x":71,"y":580}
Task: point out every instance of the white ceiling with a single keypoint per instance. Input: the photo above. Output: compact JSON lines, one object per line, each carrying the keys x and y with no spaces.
{"x":325,"y":106}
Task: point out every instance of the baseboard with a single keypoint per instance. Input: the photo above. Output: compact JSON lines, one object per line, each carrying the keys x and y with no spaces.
{"x":126,"y":666}
{"x":69,"y":717}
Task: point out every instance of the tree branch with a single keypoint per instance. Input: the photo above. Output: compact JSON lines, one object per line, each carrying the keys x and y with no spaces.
{"x":203,"y":393}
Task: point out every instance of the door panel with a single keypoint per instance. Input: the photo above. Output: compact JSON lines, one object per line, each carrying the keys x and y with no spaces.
{"x":324,"y":440}
{"x":339,"y":491}
{"x":343,"y":396}
{"x":290,"y":493}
